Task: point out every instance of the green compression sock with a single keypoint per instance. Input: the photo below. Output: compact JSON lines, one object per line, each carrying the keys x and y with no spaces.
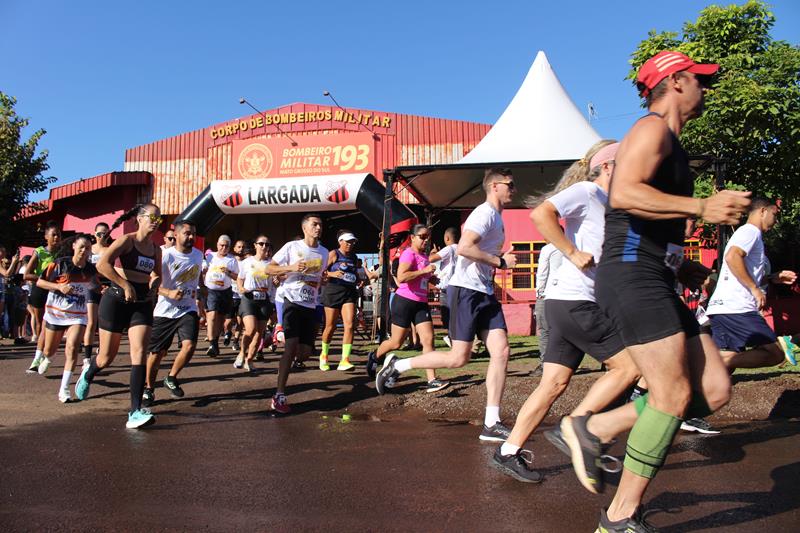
{"x":346,"y":349}
{"x":640,"y":403}
{"x":649,"y":441}
{"x":326,"y":346}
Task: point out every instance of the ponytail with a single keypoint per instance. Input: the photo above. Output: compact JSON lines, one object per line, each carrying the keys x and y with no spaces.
{"x":577,"y":172}
{"x":132,"y":212}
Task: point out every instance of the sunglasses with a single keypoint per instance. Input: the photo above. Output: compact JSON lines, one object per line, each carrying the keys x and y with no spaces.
{"x":423,"y":236}
{"x":509,"y":184}
{"x":263,"y":244}
{"x":101,"y":234}
{"x":171,"y":239}
{"x":155,"y":219}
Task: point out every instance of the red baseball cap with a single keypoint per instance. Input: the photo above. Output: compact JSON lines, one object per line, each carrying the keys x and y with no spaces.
{"x":668,"y":62}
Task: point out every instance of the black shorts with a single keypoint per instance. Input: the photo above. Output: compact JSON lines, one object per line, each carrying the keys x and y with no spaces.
{"x":38,"y":297}
{"x":94,"y":297}
{"x":299,"y":323}
{"x":472,"y":312}
{"x":234,"y":312}
{"x":219,"y":301}
{"x":406,"y":312}
{"x":261,"y":309}
{"x":58,"y":327}
{"x":578,"y":328}
{"x":642,"y":303}
{"x":335,"y":295}
{"x":735,"y":332}
{"x":164,"y":329}
{"x":115,"y":314}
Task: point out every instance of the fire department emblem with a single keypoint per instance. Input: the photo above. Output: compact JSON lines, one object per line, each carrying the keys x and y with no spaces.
{"x":255,"y":161}
{"x":336,"y":191}
{"x":231,"y":197}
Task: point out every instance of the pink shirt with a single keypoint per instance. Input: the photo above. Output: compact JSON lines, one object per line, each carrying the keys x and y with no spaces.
{"x":417,"y":288}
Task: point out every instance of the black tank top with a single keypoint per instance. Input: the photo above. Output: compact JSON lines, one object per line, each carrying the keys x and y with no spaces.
{"x":630,"y":239}
{"x":345,"y":264}
{"x":137,"y":261}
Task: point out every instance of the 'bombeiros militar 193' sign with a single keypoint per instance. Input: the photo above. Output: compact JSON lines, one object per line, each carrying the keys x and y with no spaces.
{"x":312,"y":193}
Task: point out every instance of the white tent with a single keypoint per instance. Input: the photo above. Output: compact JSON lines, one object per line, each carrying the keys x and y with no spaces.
{"x":539,"y":134}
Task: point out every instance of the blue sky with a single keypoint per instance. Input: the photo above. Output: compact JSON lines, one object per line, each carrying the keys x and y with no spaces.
{"x":101,"y":77}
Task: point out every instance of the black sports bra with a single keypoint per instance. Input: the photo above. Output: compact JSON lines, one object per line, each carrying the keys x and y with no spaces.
{"x":137,"y":261}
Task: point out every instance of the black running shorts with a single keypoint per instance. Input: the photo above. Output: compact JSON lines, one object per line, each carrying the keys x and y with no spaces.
{"x":115,"y":314}
{"x":335,"y":295}
{"x":219,"y":301}
{"x":578,"y":328}
{"x":642,"y":303}
{"x":260,"y":309}
{"x":164,"y":329}
{"x":299,"y":323}
{"x":38,"y":297}
{"x":406,"y":312}
{"x":234,"y":312}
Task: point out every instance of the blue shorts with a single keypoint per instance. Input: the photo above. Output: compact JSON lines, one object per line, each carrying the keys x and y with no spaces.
{"x":472,"y":312}
{"x":736,"y":332}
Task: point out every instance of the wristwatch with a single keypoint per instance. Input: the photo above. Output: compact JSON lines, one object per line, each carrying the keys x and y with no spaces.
{"x":502,"y":265}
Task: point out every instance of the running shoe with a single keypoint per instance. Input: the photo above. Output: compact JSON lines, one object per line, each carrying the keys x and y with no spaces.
{"x":82,"y":385}
{"x":537,"y":372}
{"x":280,"y":405}
{"x":64,"y":396}
{"x":372,"y":364}
{"x":19,"y":341}
{"x":226,"y":339}
{"x":633,"y":524}
{"x":249,"y":366}
{"x":586,"y":452}
{"x":148,"y":396}
{"x":788,"y":348}
{"x":436,"y":385}
{"x":698,"y":425}
{"x":556,"y":438}
{"x":446,"y":340}
{"x":43,"y":366}
{"x":86,"y":362}
{"x":385,"y":373}
{"x":323,"y":364}
{"x":298,"y":366}
{"x":34,"y":368}
{"x":496,"y":433}
{"x":171,"y":383}
{"x":517,"y":465}
{"x":212,"y":351}
{"x":345,"y":365}
{"x":239,"y":363}
{"x":235,"y":345}
{"x":140,"y":418}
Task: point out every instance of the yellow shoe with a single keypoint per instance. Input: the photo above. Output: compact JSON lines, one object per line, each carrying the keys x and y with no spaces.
{"x":345,"y":364}
{"x":323,"y":364}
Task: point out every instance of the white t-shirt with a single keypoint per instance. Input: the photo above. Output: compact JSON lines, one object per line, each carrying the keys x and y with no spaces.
{"x":234,"y":285}
{"x":219,"y":270}
{"x":302,"y":288}
{"x":254,"y":275}
{"x":487,"y":223}
{"x":179,"y":271}
{"x":447,"y":265}
{"x":731,"y":296}
{"x":550,"y":259}
{"x":583,"y":208}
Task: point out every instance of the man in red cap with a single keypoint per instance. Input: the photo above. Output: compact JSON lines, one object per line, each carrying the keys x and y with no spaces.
{"x":650,"y":198}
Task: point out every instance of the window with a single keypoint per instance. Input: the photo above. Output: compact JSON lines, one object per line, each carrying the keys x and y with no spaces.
{"x":691,"y":249}
{"x":523,"y":276}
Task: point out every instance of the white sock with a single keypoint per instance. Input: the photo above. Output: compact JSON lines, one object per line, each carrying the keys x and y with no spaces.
{"x":38,"y":355}
{"x":65,"y":377}
{"x":508,"y":449}
{"x":403,"y":365}
{"x":492,"y":416}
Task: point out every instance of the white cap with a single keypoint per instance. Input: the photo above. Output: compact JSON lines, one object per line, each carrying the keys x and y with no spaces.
{"x":347,"y":237}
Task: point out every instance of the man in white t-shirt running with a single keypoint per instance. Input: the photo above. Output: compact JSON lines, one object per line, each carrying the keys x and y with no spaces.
{"x":176,"y":311}
{"x":303,"y":262}
{"x":221,"y":272}
{"x":447,"y":257}
{"x":474,"y":308}
{"x":736,"y":305}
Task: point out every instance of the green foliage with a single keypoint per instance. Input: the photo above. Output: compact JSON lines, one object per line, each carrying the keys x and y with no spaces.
{"x":752,"y":114}
{"x":21,"y":170}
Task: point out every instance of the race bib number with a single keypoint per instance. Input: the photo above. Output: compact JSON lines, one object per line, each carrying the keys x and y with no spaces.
{"x":349,"y":277}
{"x":95,"y":258}
{"x":308,"y":294}
{"x":145,"y":264}
{"x":674,"y":257}
{"x":259,"y":295}
{"x":218,"y":276}
{"x":701,"y":316}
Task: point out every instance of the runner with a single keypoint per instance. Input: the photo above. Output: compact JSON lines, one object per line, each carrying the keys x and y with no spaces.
{"x":339,"y":297}
{"x":303,"y":261}
{"x":69,"y":282}
{"x":133,"y":266}
{"x":169,"y":240}
{"x":7,"y":272}
{"x":410,"y":305}
{"x":41,"y":257}
{"x":256,"y":306}
{"x":650,"y":198}
{"x":447,"y":257}
{"x":736,"y":304}
{"x":221,"y":272}
{"x":233,"y":322}
{"x":102,"y":237}
{"x":176,"y":311}
{"x":471,"y":295}
{"x":577,"y":325}
{"x":548,"y":263}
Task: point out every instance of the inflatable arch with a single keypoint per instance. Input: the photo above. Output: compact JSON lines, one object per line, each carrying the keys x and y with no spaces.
{"x":343,"y":192}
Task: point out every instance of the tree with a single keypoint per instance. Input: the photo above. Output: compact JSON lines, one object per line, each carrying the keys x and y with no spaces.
{"x":21,"y":172}
{"x":752,"y":113}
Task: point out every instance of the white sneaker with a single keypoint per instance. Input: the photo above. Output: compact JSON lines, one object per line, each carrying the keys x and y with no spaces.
{"x":446,"y":340}
{"x":64,"y":396}
{"x":33,"y":338}
{"x":239,"y":363}
{"x":44,"y":364}
{"x":86,"y":362}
